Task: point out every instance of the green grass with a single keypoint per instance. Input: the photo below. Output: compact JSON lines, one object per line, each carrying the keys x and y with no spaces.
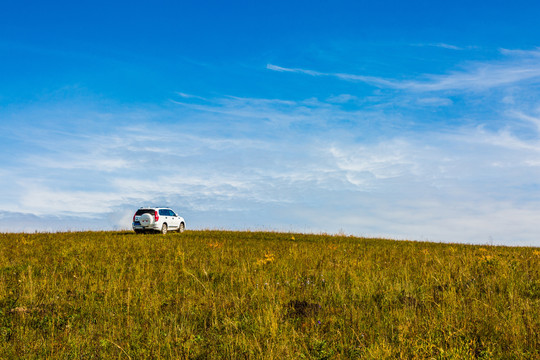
{"x":233,"y":295}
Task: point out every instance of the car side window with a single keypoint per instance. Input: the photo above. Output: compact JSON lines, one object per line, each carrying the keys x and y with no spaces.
{"x":171,"y":213}
{"x":163,"y":212}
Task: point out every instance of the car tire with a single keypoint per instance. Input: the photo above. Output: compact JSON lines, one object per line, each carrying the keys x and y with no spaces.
{"x":181,"y":228}
{"x":164,"y":229}
{"x":138,"y":231}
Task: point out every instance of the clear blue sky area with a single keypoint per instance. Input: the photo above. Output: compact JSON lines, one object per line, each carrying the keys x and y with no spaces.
{"x":405,"y":119}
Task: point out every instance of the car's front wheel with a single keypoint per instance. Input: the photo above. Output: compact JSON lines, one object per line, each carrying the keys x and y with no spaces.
{"x":181,"y":228}
{"x":164,"y":229}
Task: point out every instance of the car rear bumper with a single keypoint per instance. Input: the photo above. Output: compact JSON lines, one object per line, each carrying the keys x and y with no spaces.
{"x":140,"y":227}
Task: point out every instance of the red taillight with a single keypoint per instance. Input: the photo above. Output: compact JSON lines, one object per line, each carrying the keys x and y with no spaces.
{"x":156,"y":216}
{"x":134,"y":217}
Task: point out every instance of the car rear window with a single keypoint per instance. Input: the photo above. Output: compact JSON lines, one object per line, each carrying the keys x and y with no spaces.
{"x":145,"y":211}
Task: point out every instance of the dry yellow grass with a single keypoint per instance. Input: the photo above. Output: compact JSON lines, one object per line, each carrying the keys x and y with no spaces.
{"x":219,"y":294}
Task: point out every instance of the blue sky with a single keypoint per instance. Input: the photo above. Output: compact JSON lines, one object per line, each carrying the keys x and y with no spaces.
{"x":410,"y":120}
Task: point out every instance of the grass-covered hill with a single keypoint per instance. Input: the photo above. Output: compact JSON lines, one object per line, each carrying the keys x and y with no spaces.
{"x":234,"y":295}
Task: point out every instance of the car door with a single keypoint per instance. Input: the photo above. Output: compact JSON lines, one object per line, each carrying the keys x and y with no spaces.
{"x":164,"y":217}
{"x":174,"y":220}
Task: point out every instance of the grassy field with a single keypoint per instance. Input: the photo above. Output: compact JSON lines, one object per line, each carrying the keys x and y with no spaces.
{"x":234,"y":295}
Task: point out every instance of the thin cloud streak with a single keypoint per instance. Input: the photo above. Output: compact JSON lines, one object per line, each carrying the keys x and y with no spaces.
{"x":443,"y":46}
{"x":525,"y":66}
{"x":380,"y":82}
{"x":447,"y":46}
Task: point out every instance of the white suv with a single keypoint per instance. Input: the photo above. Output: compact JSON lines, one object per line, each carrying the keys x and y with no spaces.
{"x":157,"y":219}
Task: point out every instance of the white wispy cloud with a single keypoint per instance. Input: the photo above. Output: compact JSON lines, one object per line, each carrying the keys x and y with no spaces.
{"x":373,"y":80}
{"x":434,"y":101}
{"x":447,"y":46}
{"x":342,"y":98}
{"x":190,"y":96}
{"x":521,"y":53}
{"x":522,"y":66}
{"x":533,"y":120}
{"x":442,"y":45}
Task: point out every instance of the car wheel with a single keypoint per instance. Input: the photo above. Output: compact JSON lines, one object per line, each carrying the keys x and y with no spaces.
{"x":138,"y":231}
{"x":181,"y":228}
{"x":164,"y":229}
